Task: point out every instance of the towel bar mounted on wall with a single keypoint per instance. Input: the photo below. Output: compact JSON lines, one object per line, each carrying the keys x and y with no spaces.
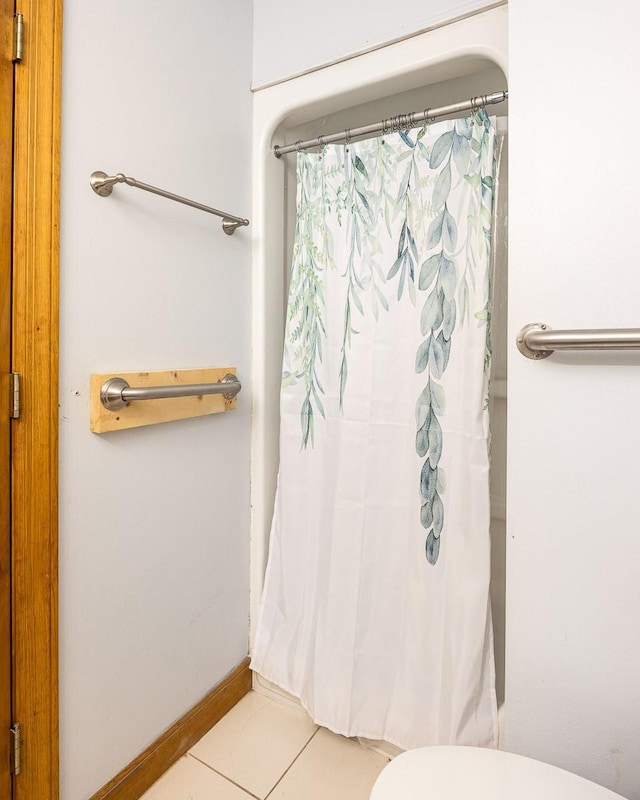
{"x":538,"y":340}
{"x":102,"y":184}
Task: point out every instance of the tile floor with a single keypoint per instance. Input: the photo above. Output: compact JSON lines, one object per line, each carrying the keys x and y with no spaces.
{"x":263,"y":749}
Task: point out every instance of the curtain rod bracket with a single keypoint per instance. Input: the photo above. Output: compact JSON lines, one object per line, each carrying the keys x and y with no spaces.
{"x":102,"y":184}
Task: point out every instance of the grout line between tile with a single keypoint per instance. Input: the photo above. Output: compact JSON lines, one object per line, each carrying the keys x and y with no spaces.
{"x":246,"y":791}
{"x":281,"y":778}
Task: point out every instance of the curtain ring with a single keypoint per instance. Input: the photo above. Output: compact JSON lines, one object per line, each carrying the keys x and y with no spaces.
{"x":425,"y":127}
{"x":473,"y":110}
{"x":347,"y":138}
{"x":322,"y":145}
{"x":298,"y":143}
{"x":383,"y":128}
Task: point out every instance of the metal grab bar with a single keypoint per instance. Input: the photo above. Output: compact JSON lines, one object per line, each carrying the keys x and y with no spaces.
{"x":103,"y":185}
{"x":538,"y":340}
{"x":116,"y":392}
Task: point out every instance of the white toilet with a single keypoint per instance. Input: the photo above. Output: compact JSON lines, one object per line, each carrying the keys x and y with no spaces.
{"x":474,"y":773}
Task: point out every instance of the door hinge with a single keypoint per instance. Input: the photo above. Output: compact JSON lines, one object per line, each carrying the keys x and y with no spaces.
{"x":16,"y":748}
{"x":14,"y":395}
{"x":18,"y":37}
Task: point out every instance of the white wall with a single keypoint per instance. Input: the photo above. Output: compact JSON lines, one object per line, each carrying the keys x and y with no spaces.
{"x":573,"y":610}
{"x":294,"y":36}
{"x":154,"y":537}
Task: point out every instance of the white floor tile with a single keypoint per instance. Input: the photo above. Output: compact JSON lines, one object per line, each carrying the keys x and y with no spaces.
{"x":331,"y":768}
{"x":188,"y":779}
{"x":255,"y":743}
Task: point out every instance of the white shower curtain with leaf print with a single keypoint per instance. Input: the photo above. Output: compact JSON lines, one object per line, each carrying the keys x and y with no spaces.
{"x":375,"y":610}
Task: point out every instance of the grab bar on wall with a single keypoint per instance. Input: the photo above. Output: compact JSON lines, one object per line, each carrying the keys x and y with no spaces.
{"x":103,"y":184}
{"x":538,"y":340}
{"x":116,"y":392}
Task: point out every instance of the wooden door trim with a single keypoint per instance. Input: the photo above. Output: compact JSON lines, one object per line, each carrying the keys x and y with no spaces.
{"x":35,"y":434}
{"x":6,"y":192}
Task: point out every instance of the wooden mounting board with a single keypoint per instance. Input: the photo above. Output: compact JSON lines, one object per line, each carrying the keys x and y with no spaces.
{"x":151,"y":412}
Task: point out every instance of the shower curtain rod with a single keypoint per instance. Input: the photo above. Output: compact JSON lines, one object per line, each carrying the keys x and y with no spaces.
{"x":399,"y":123}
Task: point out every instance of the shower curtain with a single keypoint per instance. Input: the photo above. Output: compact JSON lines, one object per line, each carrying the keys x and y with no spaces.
{"x":375,"y":610}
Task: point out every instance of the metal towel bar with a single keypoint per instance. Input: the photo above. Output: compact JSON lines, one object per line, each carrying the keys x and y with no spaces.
{"x":538,"y":340}
{"x":116,"y":392}
{"x":103,"y":184}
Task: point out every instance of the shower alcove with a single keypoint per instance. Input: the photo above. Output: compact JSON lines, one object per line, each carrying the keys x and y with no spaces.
{"x":451,"y":63}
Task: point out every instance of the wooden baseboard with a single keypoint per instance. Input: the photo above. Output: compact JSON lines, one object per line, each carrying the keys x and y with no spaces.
{"x":143,"y":771}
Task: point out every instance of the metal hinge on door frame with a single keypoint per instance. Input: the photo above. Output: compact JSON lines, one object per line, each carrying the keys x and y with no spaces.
{"x":18,"y":37}
{"x":16,"y":748}
{"x":14,"y":395}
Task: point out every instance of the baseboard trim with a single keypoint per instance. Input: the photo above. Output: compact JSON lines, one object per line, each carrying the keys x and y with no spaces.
{"x":131,"y":782}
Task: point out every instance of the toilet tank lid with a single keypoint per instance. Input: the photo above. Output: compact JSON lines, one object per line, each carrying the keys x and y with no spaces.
{"x":474,"y":773}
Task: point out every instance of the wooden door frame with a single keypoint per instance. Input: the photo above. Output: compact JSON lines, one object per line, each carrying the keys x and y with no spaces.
{"x":35,"y":435}
{"x":6,"y":201}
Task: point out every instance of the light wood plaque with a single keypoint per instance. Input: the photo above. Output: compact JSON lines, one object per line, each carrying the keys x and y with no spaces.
{"x":150,"y":412}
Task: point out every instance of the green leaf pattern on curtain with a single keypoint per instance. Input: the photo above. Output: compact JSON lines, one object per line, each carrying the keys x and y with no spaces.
{"x":375,"y":188}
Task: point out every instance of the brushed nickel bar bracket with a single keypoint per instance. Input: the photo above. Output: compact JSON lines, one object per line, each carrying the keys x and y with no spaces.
{"x":523,"y":346}
{"x":116,"y":393}
{"x":538,"y":340}
{"x":102,"y":184}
